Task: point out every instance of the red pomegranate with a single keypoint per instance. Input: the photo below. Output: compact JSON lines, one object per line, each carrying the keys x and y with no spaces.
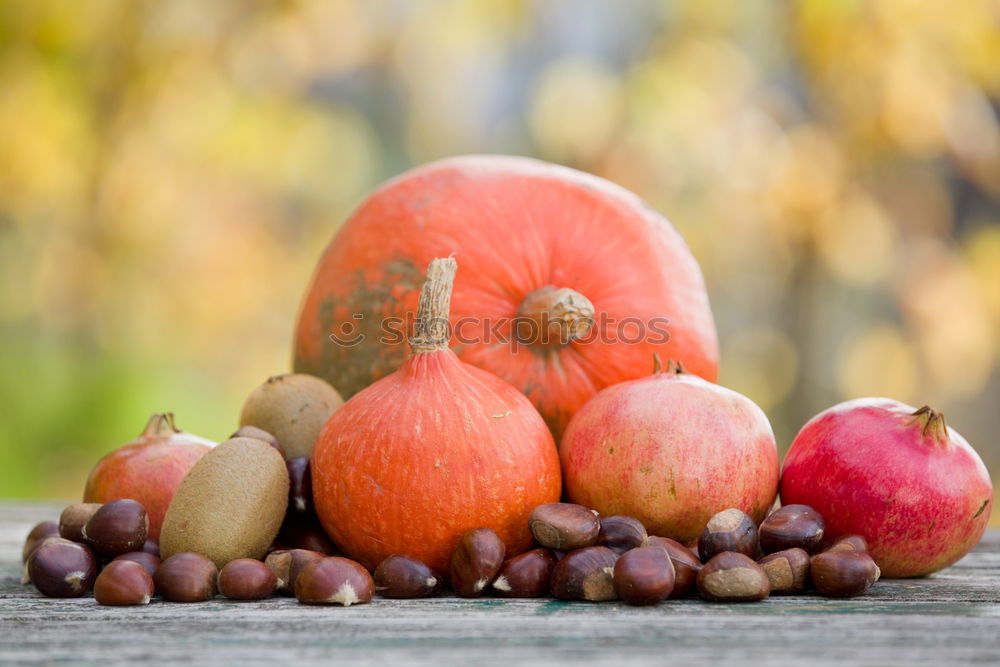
{"x":899,"y":477}
{"x":598,"y":280}
{"x":149,"y":469}
{"x":671,"y":450}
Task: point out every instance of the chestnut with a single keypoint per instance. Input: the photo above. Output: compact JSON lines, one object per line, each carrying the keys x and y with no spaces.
{"x":476,"y":562}
{"x":848,"y":543}
{"x":60,"y":568}
{"x":787,"y":570}
{"x":402,"y":578}
{"x":149,"y":562}
{"x":644,"y":575}
{"x":287,"y":565}
{"x":789,"y":527}
{"x":40,"y":532}
{"x":843,"y":574}
{"x":685,"y":562}
{"x":306,"y":532}
{"x":564,"y":526}
{"x":526,"y":575}
{"x":621,"y":533}
{"x":729,"y":530}
{"x":186,"y":577}
{"x":733,"y":577}
{"x":117,"y":527}
{"x":74,"y":518}
{"x":246,"y":579}
{"x":300,"y":497}
{"x":258,"y":434}
{"x":334,"y":580}
{"x":123,"y":583}
{"x":585,"y":574}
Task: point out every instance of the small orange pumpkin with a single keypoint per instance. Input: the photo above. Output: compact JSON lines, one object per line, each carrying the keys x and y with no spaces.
{"x":435,"y":449}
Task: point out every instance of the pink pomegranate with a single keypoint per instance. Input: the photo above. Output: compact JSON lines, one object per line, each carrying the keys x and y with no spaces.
{"x":911,"y":486}
{"x":149,"y":469}
{"x":671,"y":450}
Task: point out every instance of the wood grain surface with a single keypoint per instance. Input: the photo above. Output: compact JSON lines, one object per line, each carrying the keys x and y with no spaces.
{"x":950,"y":618}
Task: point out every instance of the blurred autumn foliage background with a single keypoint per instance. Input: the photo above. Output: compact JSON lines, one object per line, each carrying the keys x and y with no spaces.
{"x":171,"y":171}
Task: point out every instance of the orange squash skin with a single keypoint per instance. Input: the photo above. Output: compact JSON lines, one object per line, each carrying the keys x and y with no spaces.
{"x":403,"y":468}
{"x":515,"y":225}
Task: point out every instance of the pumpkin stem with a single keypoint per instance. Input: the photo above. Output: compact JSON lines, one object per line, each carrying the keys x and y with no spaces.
{"x":931,"y":424}
{"x":160,"y":424}
{"x":430,"y":331}
{"x":551,"y":317}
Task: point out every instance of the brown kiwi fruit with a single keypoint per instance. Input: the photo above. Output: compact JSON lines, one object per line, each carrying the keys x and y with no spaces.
{"x":292,"y":407}
{"x":230,"y":505}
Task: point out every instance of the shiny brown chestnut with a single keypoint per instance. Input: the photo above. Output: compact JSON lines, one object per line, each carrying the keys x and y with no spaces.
{"x":843,"y":574}
{"x":74,"y":518}
{"x":729,"y":530}
{"x":246,"y":579}
{"x":334,"y":580}
{"x":186,"y":577}
{"x":403,"y":578}
{"x":123,"y":583}
{"x":685,"y":562}
{"x":621,"y":533}
{"x":59,"y":568}
{"x":787,"y":570}
{"x":40,"y":532}
{"x":306,"y":532}
{"x":585,"y":574}
{"x":526,"y":575}
{"x":848,"y":543}
{"x":149,"y":562}
{"x":733,"y":577}
{"x":117,"y":527}
{"x":258,"y":434}
{"x":287,"y":565}
{"x":476,"y":562}
{"x":564,"y":526}
{"x":790,"y":527}
{"x":300,"y":496}
{"x":644,"y":576}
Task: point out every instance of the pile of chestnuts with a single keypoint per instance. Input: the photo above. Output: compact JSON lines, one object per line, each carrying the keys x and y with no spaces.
{"x":579,"y":556}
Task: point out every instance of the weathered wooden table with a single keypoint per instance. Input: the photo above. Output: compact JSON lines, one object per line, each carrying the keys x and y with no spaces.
{"x":950,"y":618}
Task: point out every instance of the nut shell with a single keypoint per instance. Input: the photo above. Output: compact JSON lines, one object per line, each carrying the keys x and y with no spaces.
{"x":729,"y":530}
{"x":585,"y":574}
{"x":644,"y":575}
{"x":300,"y":495}
{"x":685,"y":562}
{"x":848,"y":543}
{"x":476,"y":562}
{"x":246,"y":579}
{"x":38,"y":534}
{"x":526,"y":575}
{"x":402,"y":578}
{"x":621,"y":533}
{"x":150,"y":562}
{"x":287,"y":564}
{"x":564,"y":526}
{"x":123,"y":583}
{"x":790,"y":527}
{"x":334,"y":580}
{"x":843,"y":574}
{"x":117,"y":527}
{"x":59,"y":568}
{"x":74,"y":518}
{"x":787,"y":571}
{"x":733,"y":577}
{"x":186,"y":577}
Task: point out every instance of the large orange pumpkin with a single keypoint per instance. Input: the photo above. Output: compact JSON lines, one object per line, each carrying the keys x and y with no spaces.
{"x":569,"y":253}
